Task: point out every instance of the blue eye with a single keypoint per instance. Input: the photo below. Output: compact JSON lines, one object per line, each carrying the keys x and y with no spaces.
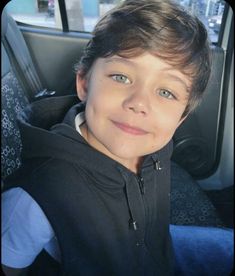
{"x":120,"y":78}
{"x":166,"y":94}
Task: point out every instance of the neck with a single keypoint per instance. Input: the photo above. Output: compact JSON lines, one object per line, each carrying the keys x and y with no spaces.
{"x":133,"y":164}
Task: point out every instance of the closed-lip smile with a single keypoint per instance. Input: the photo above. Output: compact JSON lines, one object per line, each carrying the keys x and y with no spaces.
{"x":129,"y":129}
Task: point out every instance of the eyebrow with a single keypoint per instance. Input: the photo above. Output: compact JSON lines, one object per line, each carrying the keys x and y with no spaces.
{"x":119,"y":59}
{"x":131,"y":63}
{"x":178,"y":79}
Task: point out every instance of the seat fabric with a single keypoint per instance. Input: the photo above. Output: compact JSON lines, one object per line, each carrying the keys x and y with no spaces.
{"x":14,"y":101}
{"x":189,"y":203}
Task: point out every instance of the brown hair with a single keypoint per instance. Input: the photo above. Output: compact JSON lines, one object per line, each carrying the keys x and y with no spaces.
{"x":162,"y":28}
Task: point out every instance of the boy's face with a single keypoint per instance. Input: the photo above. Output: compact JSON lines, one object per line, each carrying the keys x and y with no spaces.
{"x":133,"y":106}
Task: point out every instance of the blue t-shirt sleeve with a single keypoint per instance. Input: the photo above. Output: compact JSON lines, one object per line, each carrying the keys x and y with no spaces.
{"x":25,"y":229}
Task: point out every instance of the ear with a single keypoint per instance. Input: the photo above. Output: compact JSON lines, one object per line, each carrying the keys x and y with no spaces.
{"x":81,"y":86}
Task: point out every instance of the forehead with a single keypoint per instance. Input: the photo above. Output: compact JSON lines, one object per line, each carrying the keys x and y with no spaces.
{"x":140,"y":61}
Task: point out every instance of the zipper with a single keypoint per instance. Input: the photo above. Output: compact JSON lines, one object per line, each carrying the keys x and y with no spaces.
{"x":141,"y":184}
{"x":140,"y":180}
{"x":133,"y":223}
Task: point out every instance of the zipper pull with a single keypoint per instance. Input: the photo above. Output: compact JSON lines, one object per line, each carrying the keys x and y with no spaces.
{"x":158,"y":166}
{"x":141,"y":184}
{"x":133,"y":224}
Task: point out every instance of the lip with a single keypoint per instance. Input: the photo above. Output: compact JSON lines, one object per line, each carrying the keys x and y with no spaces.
{"x":129,"y":129}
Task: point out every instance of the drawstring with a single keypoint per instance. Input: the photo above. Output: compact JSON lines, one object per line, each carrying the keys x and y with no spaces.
{"x":132,"y":222}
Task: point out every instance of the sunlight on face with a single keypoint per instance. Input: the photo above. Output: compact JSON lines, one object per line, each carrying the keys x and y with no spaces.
{"x":133,"y":106}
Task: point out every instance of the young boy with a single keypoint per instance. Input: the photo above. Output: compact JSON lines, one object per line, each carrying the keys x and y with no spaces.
{"x":93,"y":190}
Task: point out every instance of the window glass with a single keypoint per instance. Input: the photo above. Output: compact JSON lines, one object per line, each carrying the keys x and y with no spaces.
{"x":89,"y":12}
{"x":209,"y":12}
{"x":43,"y":13}
{"x":84,"y":14}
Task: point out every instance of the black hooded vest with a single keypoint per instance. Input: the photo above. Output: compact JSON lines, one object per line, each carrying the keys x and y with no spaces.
{"x":108,"y":220}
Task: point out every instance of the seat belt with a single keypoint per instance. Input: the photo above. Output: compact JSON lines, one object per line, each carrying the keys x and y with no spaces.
{"x":19,"y":54}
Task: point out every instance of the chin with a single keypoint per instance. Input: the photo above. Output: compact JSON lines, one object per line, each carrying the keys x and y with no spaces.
{"x":125,"y":152}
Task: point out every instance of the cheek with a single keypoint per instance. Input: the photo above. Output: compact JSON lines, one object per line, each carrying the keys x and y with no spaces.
{"x":94,"y":96}
{"x":101,"y":101}
{"x":96,"y":109}
{"x":170,"y":114}
{"x":174,"y":122}
{"x":97,"y":91}
{"x":166,"y":123}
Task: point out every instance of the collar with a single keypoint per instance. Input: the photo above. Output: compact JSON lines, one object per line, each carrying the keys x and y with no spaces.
{"x":79,"y":120}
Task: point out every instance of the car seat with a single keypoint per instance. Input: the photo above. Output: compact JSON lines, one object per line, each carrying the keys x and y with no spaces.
{"x":20,"y":86}
{"x":189,"y":203}
{"x":14,"y":101}
{"x":15,"y":105}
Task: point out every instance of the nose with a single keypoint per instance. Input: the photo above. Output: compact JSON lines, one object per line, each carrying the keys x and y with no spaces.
{"x":137,"y":102}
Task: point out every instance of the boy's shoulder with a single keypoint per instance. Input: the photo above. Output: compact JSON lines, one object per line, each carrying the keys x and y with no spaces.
{"x":42,"y":171}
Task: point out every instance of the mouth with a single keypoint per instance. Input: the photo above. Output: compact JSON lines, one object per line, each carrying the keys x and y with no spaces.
{"x":129,"y":129}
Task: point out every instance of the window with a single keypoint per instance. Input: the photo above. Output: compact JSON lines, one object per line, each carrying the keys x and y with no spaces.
{"x":35,"y":12}
{"x":82,"y":15}
{"x":210,"y":12}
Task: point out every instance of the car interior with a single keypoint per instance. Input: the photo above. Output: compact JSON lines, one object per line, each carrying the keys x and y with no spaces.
{"x":38,"y":62}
